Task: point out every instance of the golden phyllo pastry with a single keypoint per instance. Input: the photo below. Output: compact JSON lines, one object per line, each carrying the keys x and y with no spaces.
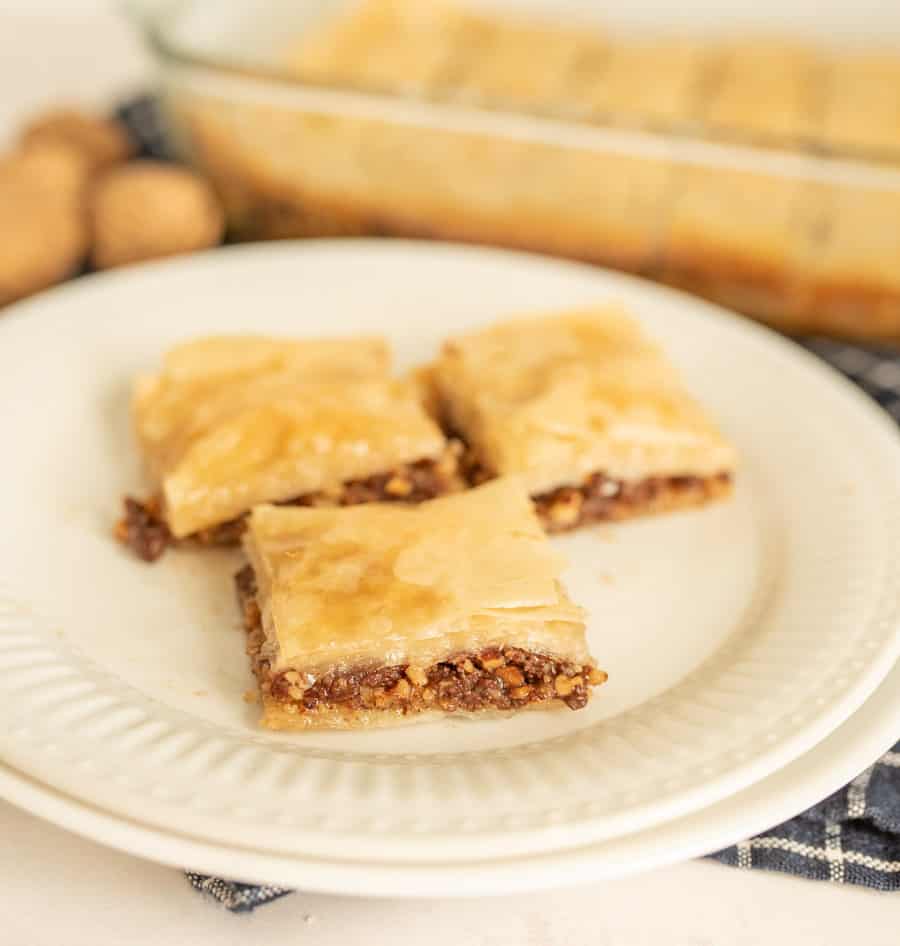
{"x":739,"y":237}
{"x":604,"y":207}
{"x":399,"y":46}
{"x":854,"y":276}
{"x":234,"y":421}
{"x":862,"y":105}
{"x":378,"y":614}
{"x":587,"y":412}
{"x":653,"y":82}
{"x":766,"y":91}
{"x":517,"y":63}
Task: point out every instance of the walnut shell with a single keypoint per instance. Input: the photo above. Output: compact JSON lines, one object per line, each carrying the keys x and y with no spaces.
{"x":43,"y":225}
{"x":102,"y":142}
{"x":149,"y":209}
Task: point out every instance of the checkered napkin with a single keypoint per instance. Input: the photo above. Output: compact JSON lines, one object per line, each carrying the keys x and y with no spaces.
{"x":853,"y":837}
{"x":143,"y":118}
{"x":239,"y":898}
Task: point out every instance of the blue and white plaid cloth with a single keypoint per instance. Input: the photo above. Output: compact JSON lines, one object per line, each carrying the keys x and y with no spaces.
{"x":234,"y":896}
{"x":853,"y":837}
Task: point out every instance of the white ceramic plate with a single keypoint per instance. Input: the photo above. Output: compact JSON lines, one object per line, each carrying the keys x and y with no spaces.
{"x":828,"y":766}
{"x":736,"y":637}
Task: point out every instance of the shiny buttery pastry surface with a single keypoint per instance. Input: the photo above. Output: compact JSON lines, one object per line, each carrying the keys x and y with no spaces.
{"x":234,"y":421}
{"x":374,"y":613}
{"x":562,"y":398}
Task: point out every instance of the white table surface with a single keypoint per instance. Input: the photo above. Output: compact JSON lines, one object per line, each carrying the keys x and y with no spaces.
{"x":57,"y":888}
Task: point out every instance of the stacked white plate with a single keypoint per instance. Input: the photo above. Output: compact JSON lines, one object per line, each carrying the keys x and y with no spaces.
{"x":750,"y":644}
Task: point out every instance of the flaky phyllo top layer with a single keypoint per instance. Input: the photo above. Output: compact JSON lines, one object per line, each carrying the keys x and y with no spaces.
{"x":394,"y":585}
{"x":237,"y":420}
{"x":555,"y":398}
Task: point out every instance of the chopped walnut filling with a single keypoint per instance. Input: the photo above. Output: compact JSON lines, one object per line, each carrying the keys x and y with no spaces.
{"x":600,"y":498}
{"x":495,"y":678}
{"x":143,"y":527}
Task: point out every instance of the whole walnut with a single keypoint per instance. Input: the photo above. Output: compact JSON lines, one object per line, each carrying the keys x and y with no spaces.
{"x":149,"y":209}
{"x":43,"y":223}
{"x":101,"y":142}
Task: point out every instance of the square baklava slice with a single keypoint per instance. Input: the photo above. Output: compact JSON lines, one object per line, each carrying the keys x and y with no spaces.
{"x":739,"y":237}
{"x":233,"y":421}
{"x":587,"y":412}
{"x":657,"y":82}
{"x":598,"y":206}
{"x":853,"y":276}
{"x":406,"y":47}
{"x":518,"y":62}
{"x":377,"y":614}
{"x":862,"y":105}
{"x":766,"y":91}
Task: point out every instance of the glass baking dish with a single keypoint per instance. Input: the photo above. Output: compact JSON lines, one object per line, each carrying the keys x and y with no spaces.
{"x":785,"y":223}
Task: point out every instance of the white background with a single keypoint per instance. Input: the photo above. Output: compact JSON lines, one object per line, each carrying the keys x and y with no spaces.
{"x":56,"y":888}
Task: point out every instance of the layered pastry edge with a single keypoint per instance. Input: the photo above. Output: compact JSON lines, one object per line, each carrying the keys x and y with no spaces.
{"x":143,"y":527}
{"x":496,"y":679}
{"x":699,"y":470}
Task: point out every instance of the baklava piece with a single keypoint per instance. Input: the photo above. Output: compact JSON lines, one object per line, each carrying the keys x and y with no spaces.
{"x":601,"y":207}
{"x":518,"y":63}
{"x":854,"y":278}
{"x":657,"y":82}
{"x":399,"y":46}
{"x":768,"y":92}
{"x":740,"y":238}
{"x":381,"y":614}
{"x":587,"y":412}
{"x":235,"y":421}
{"x":862,"y":105}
